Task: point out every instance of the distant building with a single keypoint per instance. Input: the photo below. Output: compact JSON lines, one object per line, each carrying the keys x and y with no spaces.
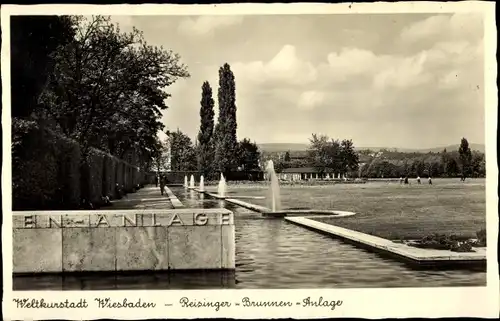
{"x":305,"y":173}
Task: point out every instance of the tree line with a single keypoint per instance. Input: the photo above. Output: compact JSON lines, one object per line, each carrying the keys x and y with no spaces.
{"x":216,"y":148}
{"x":459,"y":163}
{"x":333,"y":155}
{"x":325,"y":154}
{"x":90,"y":84}
{"x":97,"y":85}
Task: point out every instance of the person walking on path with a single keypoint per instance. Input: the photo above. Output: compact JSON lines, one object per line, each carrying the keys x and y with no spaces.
{"x":430,"y":180}
{"x":406,"y":180}
{"x":401,"y":180}
{"x":418,"y":180}
{"x":162,"y":184}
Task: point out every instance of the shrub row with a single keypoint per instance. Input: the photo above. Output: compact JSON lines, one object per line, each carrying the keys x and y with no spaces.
{"x":451,"y":242}
{"x":49,"y":171}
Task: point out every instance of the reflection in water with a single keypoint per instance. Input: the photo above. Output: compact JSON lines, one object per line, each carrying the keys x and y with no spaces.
{"x":271,"y":254}
{"x":128,"y":281}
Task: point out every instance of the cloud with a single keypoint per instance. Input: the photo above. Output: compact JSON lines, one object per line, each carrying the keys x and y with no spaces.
{"x":354,"y":61}
{"x":310,"y":99}
{"x":450,"y":80}
{"x":354,"y":85}
{"x":404,"y":72}
{"x":204,"y":25}
{"x":360,"y":66}
{"x":444,"y":27}
{"x":285,"y":68}
{"x":418,"y":88}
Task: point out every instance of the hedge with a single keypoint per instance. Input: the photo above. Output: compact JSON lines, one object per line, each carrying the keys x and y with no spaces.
{"x":92,"y":176}
{"x":69,"y":173}
{"x":49,"y":172}
{"x":44,"y":167}
{"x":108,"y":182}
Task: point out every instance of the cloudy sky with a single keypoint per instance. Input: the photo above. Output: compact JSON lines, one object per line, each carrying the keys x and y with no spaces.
{"x":400,"y":80}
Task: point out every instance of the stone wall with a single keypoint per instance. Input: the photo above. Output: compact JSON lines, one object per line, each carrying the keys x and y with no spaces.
{"x":123,"y":240}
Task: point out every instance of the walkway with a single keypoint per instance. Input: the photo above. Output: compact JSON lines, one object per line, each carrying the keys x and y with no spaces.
{"x":148,"y":197}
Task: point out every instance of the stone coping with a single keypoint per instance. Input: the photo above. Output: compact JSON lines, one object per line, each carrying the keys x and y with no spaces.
{"x":121,"y":218}
{"x":283,"y":213}
{"x":125,"y":211}
{"x":215,"y":195}
{"x":244,"y":197}
{"x":253,"y":207}
{"x":123,"y":240}
{"x":310,"y":213}
{"x":421,"y":256}
{"x":176,"y":203}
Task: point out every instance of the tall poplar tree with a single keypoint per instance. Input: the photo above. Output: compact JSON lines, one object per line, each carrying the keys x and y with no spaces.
{"x":465,"y":156}
{"x":226,"y":144}
{"x":205,"y":135}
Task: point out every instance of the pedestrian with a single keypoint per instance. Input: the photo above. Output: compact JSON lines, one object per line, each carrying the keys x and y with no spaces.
{"x":418,"y":180}
{"x":162,"y":184}
{"x":430,"y":180}
{"x":118,"y":191}
{"x":401,"y":180}
{"x":406,"y":180}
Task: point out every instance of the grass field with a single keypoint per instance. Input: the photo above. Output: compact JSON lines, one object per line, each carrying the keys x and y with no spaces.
{"x":391,"y":210}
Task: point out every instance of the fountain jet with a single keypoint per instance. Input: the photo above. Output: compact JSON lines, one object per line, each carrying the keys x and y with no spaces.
{"x":274,"y":187}
{"x":221,"y":190}
{"x":202,"y":184}
{"x":185,"y":181}
{"x":191,"y":183}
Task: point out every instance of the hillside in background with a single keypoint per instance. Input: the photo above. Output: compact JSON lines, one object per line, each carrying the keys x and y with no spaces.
{"x":294,"y":147}
{"x":475,"y":147}
{"x":283,"y":147}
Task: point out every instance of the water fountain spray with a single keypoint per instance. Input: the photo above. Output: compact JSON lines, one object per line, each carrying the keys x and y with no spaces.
{"x":202,"y":184}
{"x":185,"y":181}
{"x":274,"y":187}
{"x":221,"y":190}
{"x":191,"y":183}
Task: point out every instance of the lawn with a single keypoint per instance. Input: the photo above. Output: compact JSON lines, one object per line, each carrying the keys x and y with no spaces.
{"x":391,"y":210}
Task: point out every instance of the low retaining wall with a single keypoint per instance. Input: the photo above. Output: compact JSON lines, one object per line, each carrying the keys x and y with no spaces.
{"x":176,"y":203}
{"x":123,"y":240}
{"x":424,"y":257}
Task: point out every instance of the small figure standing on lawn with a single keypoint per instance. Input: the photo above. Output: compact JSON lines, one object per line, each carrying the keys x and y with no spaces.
{"x":430,"y":180}
{"x":406,"y":180}
{"x":418,"y":180}
{"x":401,"y":180}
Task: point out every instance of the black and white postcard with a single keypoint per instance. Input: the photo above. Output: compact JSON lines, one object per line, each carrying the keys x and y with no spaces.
{"x":249,"y":161}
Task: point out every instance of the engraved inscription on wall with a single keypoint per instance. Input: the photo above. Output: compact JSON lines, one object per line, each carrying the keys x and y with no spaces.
{"x":121,"y":220}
